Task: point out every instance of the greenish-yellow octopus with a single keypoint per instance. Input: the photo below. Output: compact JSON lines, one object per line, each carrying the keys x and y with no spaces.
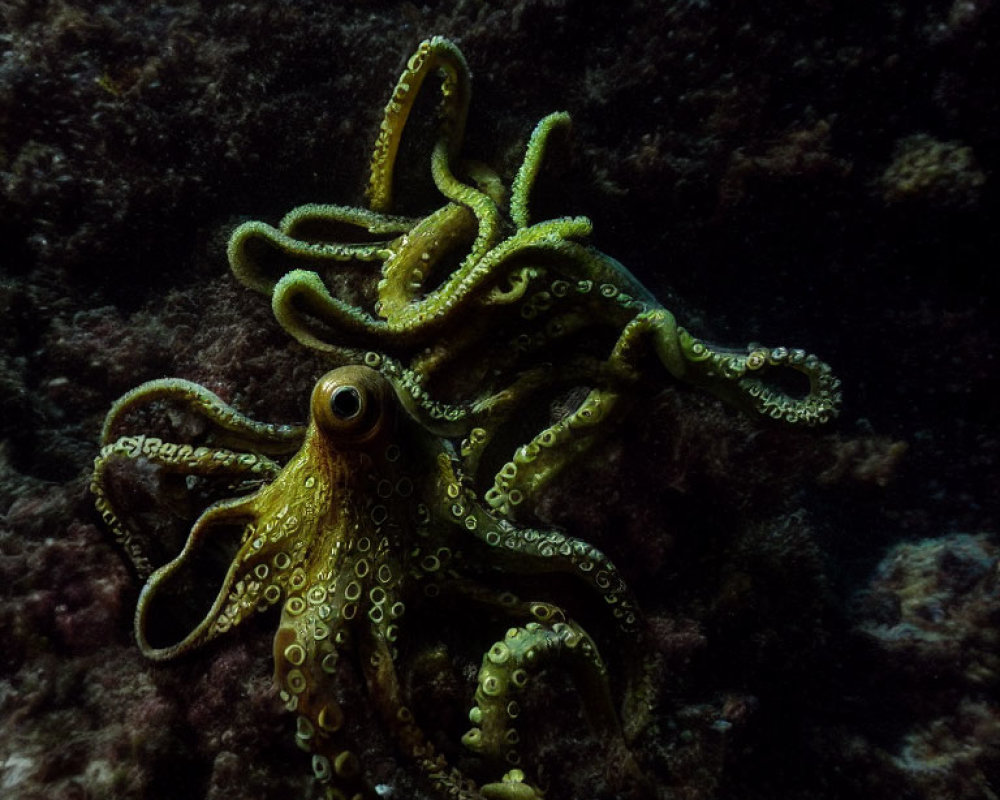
{"x":411,"y":479}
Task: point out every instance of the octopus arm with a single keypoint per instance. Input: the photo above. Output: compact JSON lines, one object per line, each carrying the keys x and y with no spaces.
{"x":308,"y":646}
{"x":260,"y":254}
{"x":228,"y":427}
{"x":475,"y":277}
{"x":752,"y":378}
{"x":325,"y":222}
{"x":384,"y":686}
{"x":416,"y":253}
{"x":756,"y":377}
{"x":171,"y":457}
{"x":510,"y":663}
{"x":481,"y":204}
{"x":535,"y":464}
{"x":432,"y":55}
{"x":167,"y":624}
{"x":304,"y":307}
{"x":524,"y":181}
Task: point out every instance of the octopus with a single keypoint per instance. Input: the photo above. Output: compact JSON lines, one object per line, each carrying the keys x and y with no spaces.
{"x":413,"y":481}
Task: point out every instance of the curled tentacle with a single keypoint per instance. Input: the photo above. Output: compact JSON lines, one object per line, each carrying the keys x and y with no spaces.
{"x":745,"y":378}
{"x":748,"y":378}
{"x":507,"y":668}
{"x":416,"y":254}
{"x":304,"y":307}
{"x":473,"y":278}
{"x":307,"y":310}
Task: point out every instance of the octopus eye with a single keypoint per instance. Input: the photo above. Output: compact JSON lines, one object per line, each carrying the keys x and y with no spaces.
{"x":350,"y":404}
{"x":345,"y":402}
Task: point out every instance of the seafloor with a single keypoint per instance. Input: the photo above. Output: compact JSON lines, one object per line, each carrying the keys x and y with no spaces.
{"x":824,"y":603}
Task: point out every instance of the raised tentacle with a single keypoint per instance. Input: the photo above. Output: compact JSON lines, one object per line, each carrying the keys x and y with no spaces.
{"x":432,"y":54}
{"x":480,"y":203}
{"x":524,"y":181}
{"x":486,"y":180}
{"x":535,"y":464}
{"x":416,"y":254}
{"x":475,"y":277}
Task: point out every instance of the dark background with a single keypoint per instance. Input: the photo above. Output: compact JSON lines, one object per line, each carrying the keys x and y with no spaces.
{"x":813,"y":174}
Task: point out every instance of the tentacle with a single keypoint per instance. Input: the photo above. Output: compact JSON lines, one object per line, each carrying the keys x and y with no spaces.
{"x":173,"y":458}
{"x":308,"y":312}
{"x":730,"y":375}
{"x":255,"y":580}
{"x":538,"y":462}
{"x":486,"y":180}
{"x":443,"y":419}
{"x":305,"y":308}
{"x":507,"y":667}
{"x":552,"y":551}
{"x":321,"y":222}
{"x":738,"y":377}
{"x":524,"y":181}
{"x":271,"y":535}
{"x":481,"y":204}
{"x":307,"y":649}
{"x":528,"y":550}
{"x":475,"y":276}
{"x":607,"y":275}
{"x":488,"y":412}
{"x":416,"y":254}
{"x":231,"y":428}
{"x":383,"y":682}
{"x":745,"y":379}
{"x":640,"y":669}
{"x":259,"y":255}
{"x":440,"y":54}
{"x":432,"y":54}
